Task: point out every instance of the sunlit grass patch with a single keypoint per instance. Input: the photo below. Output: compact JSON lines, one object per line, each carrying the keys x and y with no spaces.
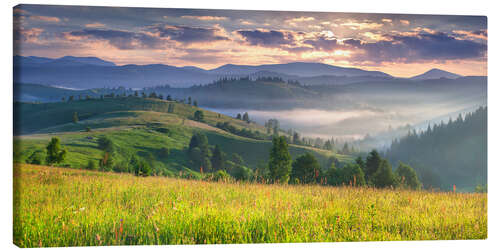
{"x":67,"y":207}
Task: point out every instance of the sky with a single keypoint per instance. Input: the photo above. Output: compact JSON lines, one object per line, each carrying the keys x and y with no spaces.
{"x":401,"y":45}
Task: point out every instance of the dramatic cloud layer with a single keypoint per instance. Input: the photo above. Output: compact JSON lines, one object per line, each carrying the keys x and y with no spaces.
{"x":120,"y":39}
{"x":185,"y":34}
{"x":402,"y":45}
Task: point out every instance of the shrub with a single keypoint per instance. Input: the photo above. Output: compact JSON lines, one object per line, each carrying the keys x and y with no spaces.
{"x":91,"y":165}
{"x":36,"y":158}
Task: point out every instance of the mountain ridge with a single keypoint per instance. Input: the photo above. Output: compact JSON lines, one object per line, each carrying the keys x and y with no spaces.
{"x":436,"y":73}
{"x":93,"y":72}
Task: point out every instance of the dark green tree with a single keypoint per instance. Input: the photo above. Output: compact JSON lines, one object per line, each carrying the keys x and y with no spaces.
{"x":171,"y":107}
{"x":407,"y":177}
{"x":383,"y":177}
{"x":75,"y":117}
{"x":107,"y":161}
{"x":55,"y":153}
{"x":241,"y":173}
{"x":198,"y":140}
{"x":141,"y":167}
{"x":328,"y":145}
{"x":199,"y":116}
{"x":306,"y":169}
{"x":332,"y":175}
{"x":91,"y":165}
{"x":246,"y":117}
{"x":217,"y":159}
{"x":373,"y":162}
{"x":360,"y":162}
{"x":345,"y":149}
{"x":279,"y":160}
{"x":105,"y":144}
{"x":237,"y":159}
{"x":199,"y":153}
{"x":351,"y":174}
{"x":296,"y":138}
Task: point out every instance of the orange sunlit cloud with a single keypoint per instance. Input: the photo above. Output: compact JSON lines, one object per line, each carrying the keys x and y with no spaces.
{"x":45,"y":18}
{"x":396,"y":44}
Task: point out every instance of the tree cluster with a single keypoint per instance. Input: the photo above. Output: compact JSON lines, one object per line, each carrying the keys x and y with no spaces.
{"x":447,"y":154}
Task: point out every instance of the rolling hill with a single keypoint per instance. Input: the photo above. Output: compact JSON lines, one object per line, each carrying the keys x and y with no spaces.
{"x":138,"y":127}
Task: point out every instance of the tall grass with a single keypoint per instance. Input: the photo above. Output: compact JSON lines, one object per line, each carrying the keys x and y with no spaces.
{"x":67,"y":207}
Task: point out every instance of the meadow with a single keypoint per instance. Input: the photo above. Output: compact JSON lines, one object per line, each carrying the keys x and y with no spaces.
{"x":69,"y":207}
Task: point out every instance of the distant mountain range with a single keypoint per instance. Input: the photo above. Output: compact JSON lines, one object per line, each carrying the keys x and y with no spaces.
{"x":436,"y":74}
{"x":65,"y":61}
{"x":93,"y":72}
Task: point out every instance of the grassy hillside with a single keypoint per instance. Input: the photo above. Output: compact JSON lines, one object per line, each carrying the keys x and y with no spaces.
{"x":26,"y":92}
{"x":134,"y":127}
{"x":65,"y":207}
{"x":32,"y":117}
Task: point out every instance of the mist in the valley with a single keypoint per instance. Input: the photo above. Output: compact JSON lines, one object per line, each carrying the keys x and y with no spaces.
{"x":354,"y":116}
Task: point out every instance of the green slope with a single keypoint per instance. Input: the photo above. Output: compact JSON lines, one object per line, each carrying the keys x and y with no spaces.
{"x":32,"y":117}
{"x":135,"y":132}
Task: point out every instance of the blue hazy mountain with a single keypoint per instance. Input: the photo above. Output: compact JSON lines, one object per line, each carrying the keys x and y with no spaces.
{"x":301,"y":69}
{"x":436,"y":74}
{"x":62,"y":62}
{"x":93,"y":72}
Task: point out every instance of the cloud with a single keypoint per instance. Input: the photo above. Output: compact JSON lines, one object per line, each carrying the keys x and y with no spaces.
{"x":27,"y":35}
{"x":323,"y":43}
{"x":187,"y":35}
{"x":18,"y":11}
{"x":295,"y":21}
{"x":478,"y":34}
{"x":45,"y":18}
{"x":361,"y":25}
{"x":95,"y":25}
{"x":440,"y":45}
{"x":374,"y":36}
{"x":422,"y":46}
{"x":270,"y":38}
{"x":207,"y":18}
{"x":246,"y":22}
{"x":301,"y":19}
{"x":124,"y":40}
{"x":404,"y":22}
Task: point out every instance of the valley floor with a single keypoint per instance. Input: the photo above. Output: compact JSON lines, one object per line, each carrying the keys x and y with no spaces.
{"x":68,"y":207}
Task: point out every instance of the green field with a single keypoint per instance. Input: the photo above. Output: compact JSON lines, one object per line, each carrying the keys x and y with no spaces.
{"x":67,"y":207}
